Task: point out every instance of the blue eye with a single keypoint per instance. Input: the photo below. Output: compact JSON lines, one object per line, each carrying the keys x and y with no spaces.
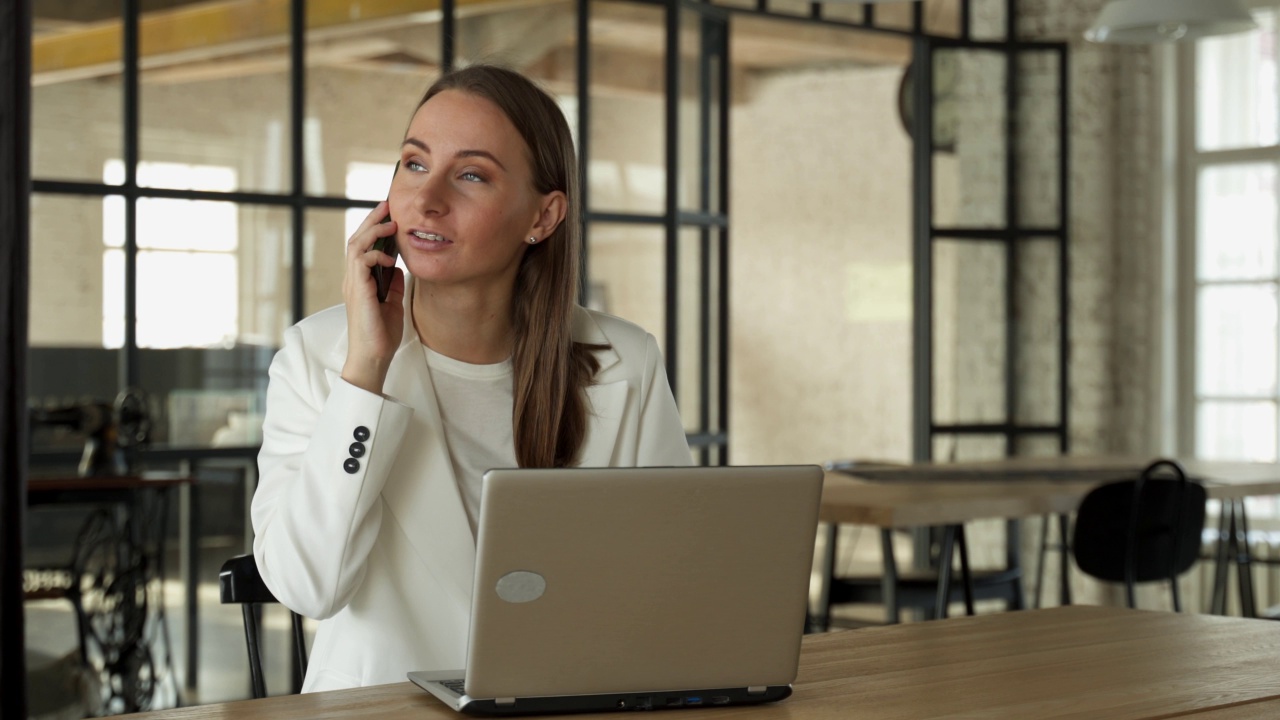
{"x":471,"y":177}
{"x":414,"y":166}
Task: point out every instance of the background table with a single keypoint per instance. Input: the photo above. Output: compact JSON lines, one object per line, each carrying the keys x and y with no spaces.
{"x":890,"y":504}
{"x":951,"y":494}
{"x":114,"y":578}
{"x":1080,"y":661}
{"x":1248,"y":478}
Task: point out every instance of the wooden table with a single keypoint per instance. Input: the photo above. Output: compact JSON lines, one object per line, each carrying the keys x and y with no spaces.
{"x":951,"y":494}
{"x":45,"y":490}
{"x":112,"y":577}
{"x":1260,"y":710}
{"x":1248,"y":475}
{"x":1068,"y":662}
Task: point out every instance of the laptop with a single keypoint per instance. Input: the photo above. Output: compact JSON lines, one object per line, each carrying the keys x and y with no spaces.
{"x":635,"y":589}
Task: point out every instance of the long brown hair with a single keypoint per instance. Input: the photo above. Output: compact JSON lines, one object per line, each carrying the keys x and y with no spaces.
{"x":551,"y":371}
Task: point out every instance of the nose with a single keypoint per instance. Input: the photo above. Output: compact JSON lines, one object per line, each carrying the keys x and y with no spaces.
{"x":432,"y":197}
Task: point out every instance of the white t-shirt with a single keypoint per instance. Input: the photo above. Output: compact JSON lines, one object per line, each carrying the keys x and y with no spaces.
{"x":475,"y":404}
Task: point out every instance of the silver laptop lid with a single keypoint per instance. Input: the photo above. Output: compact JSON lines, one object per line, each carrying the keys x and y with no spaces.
{"x":636,"y":579}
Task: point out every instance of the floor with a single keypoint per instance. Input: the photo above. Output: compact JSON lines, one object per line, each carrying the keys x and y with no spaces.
{"x":223,"y":673}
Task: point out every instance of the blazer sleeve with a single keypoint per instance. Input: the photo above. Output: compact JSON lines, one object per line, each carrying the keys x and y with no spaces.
{"x":662,"y":440}
{"x":317,"y":509}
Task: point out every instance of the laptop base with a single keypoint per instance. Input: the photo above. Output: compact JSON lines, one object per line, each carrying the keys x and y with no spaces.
{"x":606,"y":702}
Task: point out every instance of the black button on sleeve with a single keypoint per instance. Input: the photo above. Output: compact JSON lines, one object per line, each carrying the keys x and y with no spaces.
{"x":352,"y":466}
{"x":357,"y":449}
{"x":362,"y":433}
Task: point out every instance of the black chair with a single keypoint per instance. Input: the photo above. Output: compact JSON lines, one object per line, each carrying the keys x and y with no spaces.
{"x":1141,"y":530}
{"x":241,"y":584}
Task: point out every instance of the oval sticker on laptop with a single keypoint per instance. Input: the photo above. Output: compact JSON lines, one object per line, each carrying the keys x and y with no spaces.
{"x":521,"y":586}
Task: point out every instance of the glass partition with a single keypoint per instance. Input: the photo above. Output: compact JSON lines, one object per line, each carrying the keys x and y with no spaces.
{"x":214,"y":90}
{"x":76,"y":90}
{"x":626,"y":169}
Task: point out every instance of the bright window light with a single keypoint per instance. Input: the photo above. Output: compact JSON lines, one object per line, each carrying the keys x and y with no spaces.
{"x":187,"y":272}
{"x":1236,"y":395}
{"x":1236,"y":93}
{"x":365,"y":181}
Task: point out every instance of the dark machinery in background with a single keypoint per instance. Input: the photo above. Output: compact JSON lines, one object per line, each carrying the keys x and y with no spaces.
{"x":113,"y":431}
{"x":114,"y":578}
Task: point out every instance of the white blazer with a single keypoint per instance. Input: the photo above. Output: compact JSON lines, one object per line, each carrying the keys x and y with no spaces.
{"x":378,"y":547}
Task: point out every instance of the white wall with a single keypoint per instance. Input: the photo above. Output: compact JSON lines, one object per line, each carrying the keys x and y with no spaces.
{"x":820,"y":269}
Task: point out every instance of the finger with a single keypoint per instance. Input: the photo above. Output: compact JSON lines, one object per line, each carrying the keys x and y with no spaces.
{"x":375,"y":257}
{"x":397,"y":286}
{"x":362,"y":242}
{"x":374,"y":217}
{"x":358,"y":279}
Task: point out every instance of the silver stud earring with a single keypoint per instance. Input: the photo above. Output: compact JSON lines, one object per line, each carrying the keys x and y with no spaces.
{"x":533,"y":240}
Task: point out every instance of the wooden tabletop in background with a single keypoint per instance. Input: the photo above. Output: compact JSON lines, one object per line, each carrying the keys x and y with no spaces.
{"x":63,"y":483}
{"x":922,"y":494}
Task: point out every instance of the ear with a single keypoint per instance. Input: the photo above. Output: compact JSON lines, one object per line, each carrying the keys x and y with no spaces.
{"x":551,"y":211}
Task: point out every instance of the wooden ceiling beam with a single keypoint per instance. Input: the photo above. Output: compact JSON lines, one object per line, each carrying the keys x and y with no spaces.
{"x":246,"y":35}
{"x":757,"y":43}
{"x":229,"y":27}
{"x":770,"y":45}
{"x":335,"y":52}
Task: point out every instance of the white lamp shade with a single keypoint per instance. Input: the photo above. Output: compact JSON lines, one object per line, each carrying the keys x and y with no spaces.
{"x":1153,"y":21}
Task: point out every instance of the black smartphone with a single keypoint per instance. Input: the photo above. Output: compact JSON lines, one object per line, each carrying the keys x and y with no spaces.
{"x":382,"y":275}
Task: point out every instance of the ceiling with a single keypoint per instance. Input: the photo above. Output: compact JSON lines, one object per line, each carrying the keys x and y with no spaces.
{"x":191,"y":41}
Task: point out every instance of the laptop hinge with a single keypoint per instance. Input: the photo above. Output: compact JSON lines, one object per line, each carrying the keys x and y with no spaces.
{"x":756,"y":689}
{"x":505,"y":701}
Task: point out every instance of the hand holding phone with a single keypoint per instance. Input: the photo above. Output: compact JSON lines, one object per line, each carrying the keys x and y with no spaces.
{"x":382,"y":275}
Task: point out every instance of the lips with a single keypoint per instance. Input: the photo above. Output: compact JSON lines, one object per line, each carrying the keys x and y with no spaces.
{"x":428,"y":236}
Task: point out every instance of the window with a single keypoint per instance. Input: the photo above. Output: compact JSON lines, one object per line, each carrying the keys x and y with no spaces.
{"x":1233,"y":162}
{"x":365,"y":181}
{"x":188,"y":285}
{"x":233,"y":158}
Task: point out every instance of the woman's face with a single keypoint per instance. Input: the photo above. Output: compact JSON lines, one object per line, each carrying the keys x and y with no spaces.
{"x":463,"y":198}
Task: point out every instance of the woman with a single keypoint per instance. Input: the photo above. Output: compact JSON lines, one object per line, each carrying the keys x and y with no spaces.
{"x":381,"y":417}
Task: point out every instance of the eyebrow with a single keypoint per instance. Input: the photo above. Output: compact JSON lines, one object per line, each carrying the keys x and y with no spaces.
{"x":461,"y":153}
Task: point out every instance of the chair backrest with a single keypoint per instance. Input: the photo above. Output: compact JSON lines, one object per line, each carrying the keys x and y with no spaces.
{"x":1141,"y":530}
{"x":240,"y":584}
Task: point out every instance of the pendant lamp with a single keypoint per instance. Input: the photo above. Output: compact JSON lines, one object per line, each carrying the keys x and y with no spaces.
{"x":1138,"y":22}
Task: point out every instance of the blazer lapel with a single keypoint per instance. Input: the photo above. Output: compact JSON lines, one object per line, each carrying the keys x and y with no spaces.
{"x":421,"y":492}
{"x":607,"y":400}
{"x":607,"y":403}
